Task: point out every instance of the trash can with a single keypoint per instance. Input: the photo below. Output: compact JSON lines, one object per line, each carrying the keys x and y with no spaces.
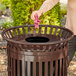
{"x":37,"y":52}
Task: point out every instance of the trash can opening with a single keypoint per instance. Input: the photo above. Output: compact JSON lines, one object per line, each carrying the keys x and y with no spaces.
{"x":37,"y":39}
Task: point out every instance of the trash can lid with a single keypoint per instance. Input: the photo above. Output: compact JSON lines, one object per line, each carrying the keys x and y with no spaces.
{"x":47,"y":34}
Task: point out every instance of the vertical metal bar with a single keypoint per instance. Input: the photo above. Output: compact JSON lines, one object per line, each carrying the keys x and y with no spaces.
{"x":60,"y":67}
{"x":56,"y":69}
{"x":45,"y":29}
{"x":63,"y":34}
{"x":14,"y":67}
{"x":11,"y":66}
{"x":23,"y":30}
{"x":51,"y":30}
{"x":46,"y":68}
{"x":51,"y":68}
{"x":10,"y":33}
{"x":18,"y":31}
{"x":34,"y":31}
{"x":23,"y":66}
{"x":34,"y":68}
{"x":29,"y":30}
{"x":6,"y":35}
{"x":40,"y":68}
{"x":28,"y":68}
{"x":60,"y":32}
{"x":55,"y":31}
{"x":18,"y":68}
{"x":63,"y":67}
{"x":40,"y":29}
{"x":14,"y":32}
{"x":66,"y":66}
{"x":8,"y":68}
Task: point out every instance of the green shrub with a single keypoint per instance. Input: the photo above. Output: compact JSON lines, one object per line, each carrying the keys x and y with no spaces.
{"x":75,"y":53}
{"x":5,"y":2}
{"x":22,"y":9}
{"x":3,"y":5}
{"x":2,"y":8}
{"x":63,"y":9}
{"x":7,"y":25}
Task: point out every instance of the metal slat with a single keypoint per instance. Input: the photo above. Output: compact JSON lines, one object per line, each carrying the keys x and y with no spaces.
{"x":51,"y":68}
{"x":23,"y":30}
{"x":63,"y":67}
{"x":18,"y":31}
{"x":18,"y":68}
{"x":14,"y":67}
{"x":56,"y":69}
{"x":55,"y":31}
{"x":51,"y":30}
{"x":11,"y":66}
{"x":45,"y":30}
{"x":40,"y":68}
{"x":28,"y":68}
{"x":34,"y":68}
{"x":10,"y":33}
{"x":23,"y":66}
{"x":46,"y":68}
{"x":60,"y":73}
{"x":40,"y":29}
{"x":14,"y":32}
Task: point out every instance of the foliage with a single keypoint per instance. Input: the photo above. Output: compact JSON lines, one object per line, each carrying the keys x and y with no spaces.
{"x":63,"y":9}
{"x":53,"y":16}
{"x":2,"y":8}
{"x":22,"y":9}
{"x":7,"y":25}
{"x":75,"y":53}
{"x":5,"y":2}
{"x":3,"y":5}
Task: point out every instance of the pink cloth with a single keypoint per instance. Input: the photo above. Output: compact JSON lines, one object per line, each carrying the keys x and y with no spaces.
{"x":36,"y":21}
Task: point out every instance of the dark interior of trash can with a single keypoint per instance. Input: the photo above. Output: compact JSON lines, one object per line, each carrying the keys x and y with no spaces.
{"x":37,"y":39}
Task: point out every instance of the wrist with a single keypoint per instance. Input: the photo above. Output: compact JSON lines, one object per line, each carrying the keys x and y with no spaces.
{"x":41,"y":12}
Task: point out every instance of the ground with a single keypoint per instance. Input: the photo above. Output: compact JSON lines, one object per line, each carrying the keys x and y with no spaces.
{"x":4,"y":59}
{"x":72,"y":67}
{"x":3,"y":62}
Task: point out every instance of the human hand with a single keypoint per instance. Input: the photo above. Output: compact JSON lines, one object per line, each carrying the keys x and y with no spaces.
{"x":34,"y":13}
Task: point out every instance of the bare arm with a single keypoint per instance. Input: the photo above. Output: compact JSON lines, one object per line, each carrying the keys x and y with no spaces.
{"x":47,"y":5}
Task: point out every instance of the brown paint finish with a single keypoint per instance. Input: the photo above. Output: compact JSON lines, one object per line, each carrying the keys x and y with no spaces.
{"x":37,"y":59}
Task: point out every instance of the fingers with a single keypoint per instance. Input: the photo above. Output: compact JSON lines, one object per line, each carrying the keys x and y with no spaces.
{"x":34,"y":13}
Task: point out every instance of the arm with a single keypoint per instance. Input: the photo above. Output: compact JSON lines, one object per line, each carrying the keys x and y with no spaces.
{"x":47,"y":5}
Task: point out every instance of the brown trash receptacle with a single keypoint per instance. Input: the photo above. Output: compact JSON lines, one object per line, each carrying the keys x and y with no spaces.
{"x":37,"y":53}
